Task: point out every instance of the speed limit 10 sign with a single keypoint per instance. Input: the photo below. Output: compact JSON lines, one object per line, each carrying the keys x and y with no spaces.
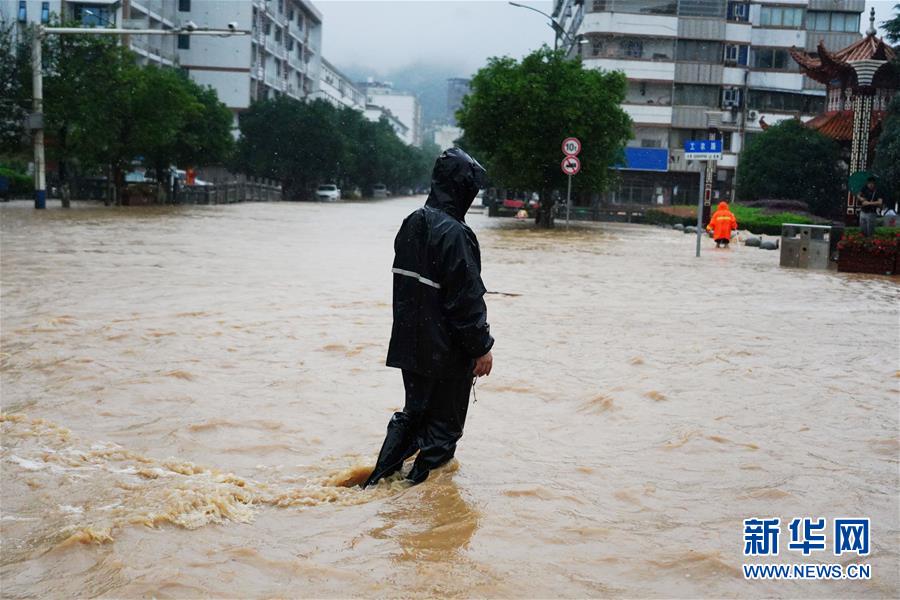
{"x":571,"y":146}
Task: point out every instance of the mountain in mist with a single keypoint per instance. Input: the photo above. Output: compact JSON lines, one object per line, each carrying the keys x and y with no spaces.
{"x":427,"y":81}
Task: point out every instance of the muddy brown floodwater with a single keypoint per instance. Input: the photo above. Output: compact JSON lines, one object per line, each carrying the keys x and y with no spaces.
{"x":184,"y":391}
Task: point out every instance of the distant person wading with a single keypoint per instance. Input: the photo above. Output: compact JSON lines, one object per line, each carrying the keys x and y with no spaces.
{"x":721,"y":224}
{"x":440,"y":338}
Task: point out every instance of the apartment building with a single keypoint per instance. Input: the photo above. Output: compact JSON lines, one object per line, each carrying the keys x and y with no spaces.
{"x":702,"y":69}
{"x":159,"y":50}
{"x":402,"y":105}
{"x":282,"y":55}
{"x":457,"y":89}
{"x":375,"y":113}
{"x":337,"y":88}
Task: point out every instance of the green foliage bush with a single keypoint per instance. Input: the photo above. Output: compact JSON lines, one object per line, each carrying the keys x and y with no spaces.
{"x":789,"y":161}
{"x":20,"y":184}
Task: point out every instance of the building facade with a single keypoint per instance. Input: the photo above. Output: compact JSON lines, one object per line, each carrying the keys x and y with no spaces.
{"x":283,"y":54}
{"x":144,"y":14}
{"x":702,"y":69}
{"x":337,"y":88}
{"x":457,"y":89}
{"x":402,"y":105}
{"x":375,"y":113}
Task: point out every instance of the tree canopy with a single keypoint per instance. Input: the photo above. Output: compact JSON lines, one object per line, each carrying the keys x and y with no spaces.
{"x":790,"y":161}
{"x":892,"y":27}
{"x":518,"y":113}
{"x":887,"y":153}
{"x":104,"y":111}
{"x":304,"y":143}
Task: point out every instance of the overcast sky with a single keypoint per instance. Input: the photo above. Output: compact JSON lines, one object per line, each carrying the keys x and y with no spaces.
{"x":387,"y":34}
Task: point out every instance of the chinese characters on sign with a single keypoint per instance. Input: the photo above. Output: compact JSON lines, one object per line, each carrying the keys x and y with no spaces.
{"x":850,"y":536}
{"x":703,"y":150}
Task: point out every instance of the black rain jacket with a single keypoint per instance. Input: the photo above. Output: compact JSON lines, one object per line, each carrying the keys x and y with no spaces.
{"x":440,"y":318}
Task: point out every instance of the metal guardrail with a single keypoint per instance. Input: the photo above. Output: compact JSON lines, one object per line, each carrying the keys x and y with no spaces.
{"x":229,"y":193}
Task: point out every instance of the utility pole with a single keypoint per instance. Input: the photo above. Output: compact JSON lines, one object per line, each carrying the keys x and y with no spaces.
{"x":36,"y":120}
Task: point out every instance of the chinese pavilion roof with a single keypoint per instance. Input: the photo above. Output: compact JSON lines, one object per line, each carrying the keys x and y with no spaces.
{"x":839,"y":125}
{"x":828,"y":66}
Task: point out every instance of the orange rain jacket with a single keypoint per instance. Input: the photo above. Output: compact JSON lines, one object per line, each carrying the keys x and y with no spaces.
{"x":722,"y":222}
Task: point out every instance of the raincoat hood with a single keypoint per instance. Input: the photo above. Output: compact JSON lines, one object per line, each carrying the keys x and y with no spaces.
{"x":455,"y":181}
{"x":723,"y":206}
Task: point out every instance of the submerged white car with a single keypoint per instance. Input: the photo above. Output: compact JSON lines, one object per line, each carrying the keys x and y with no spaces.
{"x":328,"y":192}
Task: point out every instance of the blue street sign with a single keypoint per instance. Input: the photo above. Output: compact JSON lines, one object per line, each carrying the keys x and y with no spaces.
{"x":645,"y":159}
{"x":704,"y":146}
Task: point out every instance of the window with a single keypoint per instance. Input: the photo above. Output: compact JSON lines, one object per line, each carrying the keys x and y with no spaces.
{"x":731,"y":97}
{"x":600,"y":5}
{"x":645,"y":143}
{"x":278,"y":34}
{"x":773,"y":58}
{"x":23,"y":12}
{"x":45,"y":12}
{"x":737,"y":54}
{"x":702,"y":8}
{"x":184,"y":42}
{"x":780,"y":16}
{"x":290,"y":44}
{"x":738,"y":11}
{"x":267,"y":28}
{"x":785,"y":102}
{"x":94,"y":15}
{"x":699,"y":51}
{"x":597,"y":47}
{"x":833,"y":21}
{"x":632,"y":48}
{"x":184,"y":5}
{"x":697,"y":95}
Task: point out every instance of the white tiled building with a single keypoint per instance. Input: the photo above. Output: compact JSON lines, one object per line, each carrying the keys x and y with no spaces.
{"x":282,"y":56}
{"x":339,"y":89}
{"x":376,"y":113}
{"x":693,"y":65}
{"x":404,"y":106}
{"x":147,"y":14}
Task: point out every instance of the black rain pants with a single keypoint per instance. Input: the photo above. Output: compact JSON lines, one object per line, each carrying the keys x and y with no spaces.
{"x":431,"y":423}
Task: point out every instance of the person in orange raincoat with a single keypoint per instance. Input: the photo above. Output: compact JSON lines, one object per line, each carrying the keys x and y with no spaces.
{"x":721,"y":224}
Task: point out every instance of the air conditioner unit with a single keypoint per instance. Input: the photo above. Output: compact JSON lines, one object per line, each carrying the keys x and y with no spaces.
{"x":753,"y":115}
{"x":728,"y":117}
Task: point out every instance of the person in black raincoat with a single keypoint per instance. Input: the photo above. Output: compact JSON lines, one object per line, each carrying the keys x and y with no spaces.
{"x":440,"y":338}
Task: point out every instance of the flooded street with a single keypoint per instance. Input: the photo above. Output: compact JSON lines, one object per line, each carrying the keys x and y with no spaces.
{"x":185,"y":389}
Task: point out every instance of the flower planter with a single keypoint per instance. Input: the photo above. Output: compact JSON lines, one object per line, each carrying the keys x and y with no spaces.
{"x":855,"y":260}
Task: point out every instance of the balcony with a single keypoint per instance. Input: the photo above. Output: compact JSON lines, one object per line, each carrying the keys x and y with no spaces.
{"x":691,"y":117}
{"x":649,"y":114}
{"x":843,"y":5}
{"x":701,"y":29}
{"x":706,"y":73}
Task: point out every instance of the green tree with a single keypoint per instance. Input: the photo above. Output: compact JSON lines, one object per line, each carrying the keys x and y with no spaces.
{"x":887,"y":153}
{"x":102,"y":111}
{"x":15,"y":89}
{"x":518,"y":113}
{"x":302,"y":144}
{"x":298,"y":143}
{"x":790,"y":161}
{"x":892,"y":26}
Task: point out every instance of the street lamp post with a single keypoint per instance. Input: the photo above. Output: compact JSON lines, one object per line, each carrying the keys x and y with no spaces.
{"x":557,"y":28}
{"x":36,"y":120}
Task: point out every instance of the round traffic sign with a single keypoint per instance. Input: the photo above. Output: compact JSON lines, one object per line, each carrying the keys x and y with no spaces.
{"x":571,"y":146}
{"x":571,"y":165}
